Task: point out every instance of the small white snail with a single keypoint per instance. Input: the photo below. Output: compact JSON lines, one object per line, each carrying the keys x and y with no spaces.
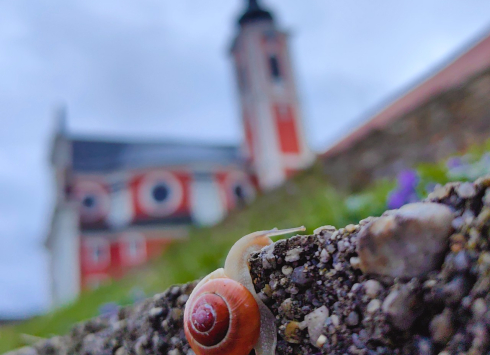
{"x":224,"y":315}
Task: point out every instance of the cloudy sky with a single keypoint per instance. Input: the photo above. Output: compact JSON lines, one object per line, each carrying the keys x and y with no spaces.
{"x":159,"y":68}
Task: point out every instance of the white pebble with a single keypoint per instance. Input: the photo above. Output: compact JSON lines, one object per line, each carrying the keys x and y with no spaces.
{"x":324,"y":256}
{"x":287,"y":270}
{"x":350,"y":228}
{"x":322,"y":339}
{"x":355,"y":287}
{"x":479,"y":308}
{"x":372,"y":288}
{"x":315,"y":321}
{"x":355,"y":262}
{"x":373,"y":306}
{"x":466,"y":190}
{"x":293,"y":254}
{"x":341,"y":246}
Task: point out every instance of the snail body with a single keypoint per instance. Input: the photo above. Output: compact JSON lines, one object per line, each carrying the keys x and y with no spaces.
{"x":224,"y":314}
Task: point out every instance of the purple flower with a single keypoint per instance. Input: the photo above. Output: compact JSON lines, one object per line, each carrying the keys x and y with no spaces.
{"x":396,"y":199}
{"x":406,"y":191}
{"x":408,"y":179}
{"x":454,"y":162}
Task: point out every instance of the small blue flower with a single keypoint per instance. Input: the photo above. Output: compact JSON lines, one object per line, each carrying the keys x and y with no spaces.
{"x":109,"y":309}
{"x":454,"y":162}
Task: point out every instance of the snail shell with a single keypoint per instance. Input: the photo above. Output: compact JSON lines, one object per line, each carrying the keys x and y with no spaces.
{"x":224,"y":317}
{"x":224,"y":314}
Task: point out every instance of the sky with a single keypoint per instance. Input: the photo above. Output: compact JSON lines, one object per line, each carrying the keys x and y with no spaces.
{"x":161,"y":69}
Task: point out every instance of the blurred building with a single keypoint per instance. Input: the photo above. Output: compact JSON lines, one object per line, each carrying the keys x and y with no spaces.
{"x":445,"y":112}
{"x":120,"y":202}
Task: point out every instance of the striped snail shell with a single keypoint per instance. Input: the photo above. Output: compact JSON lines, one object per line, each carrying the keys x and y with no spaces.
{"x":224,"y":315}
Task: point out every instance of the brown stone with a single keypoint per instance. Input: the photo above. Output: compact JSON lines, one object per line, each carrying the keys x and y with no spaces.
{"x":403,"y":306}
{"x":407,"y":242}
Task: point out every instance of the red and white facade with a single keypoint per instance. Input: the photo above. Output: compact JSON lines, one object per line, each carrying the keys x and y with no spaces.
{"x":107,"y":256}
{"x":275,"y":137}
{"x":120,"y":203}
{"x":107,"y":222}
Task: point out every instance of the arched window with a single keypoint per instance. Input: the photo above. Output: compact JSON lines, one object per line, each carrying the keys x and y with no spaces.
{"x":160,"y":193}
{"x":132,"y":247}
{"x":97,"y":254}
{"x":240,"y":196}
{"x":274,"y":68}
{"x":93,"y":199}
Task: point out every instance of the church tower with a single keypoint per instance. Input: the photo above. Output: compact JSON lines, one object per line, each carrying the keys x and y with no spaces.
{"x":275,"y":140}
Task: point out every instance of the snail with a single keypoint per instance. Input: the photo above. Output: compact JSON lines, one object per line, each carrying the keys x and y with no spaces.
{"x":224,"y":314}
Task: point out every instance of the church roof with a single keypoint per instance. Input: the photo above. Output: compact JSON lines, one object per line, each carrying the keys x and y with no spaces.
{"x":91,"y":155}
{"x":253,"y":13}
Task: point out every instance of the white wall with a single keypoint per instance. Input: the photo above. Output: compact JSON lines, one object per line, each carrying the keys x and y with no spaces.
{"x":65,"y":257}
{"x":207,"y":202}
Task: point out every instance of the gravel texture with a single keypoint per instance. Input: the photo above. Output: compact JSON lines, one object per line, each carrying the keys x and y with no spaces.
{"x":151,"y":327}
{"x":413,"y":281}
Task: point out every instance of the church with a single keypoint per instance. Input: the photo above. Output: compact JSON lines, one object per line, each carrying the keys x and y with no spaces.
{"x":121,"y":202}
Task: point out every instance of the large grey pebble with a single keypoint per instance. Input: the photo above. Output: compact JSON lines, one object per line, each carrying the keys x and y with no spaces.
{"x":407,"y":242}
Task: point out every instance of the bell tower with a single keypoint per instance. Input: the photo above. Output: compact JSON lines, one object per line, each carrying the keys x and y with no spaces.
{"x":275,"y":140}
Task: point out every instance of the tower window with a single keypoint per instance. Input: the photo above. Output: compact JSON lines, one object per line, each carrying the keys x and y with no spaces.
{"x":274,"y":67}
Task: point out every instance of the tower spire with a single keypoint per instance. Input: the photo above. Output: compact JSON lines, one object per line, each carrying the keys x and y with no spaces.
{"x":253,"y":4}
{"x":61,"y":117}
{"x":253,"y":13}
